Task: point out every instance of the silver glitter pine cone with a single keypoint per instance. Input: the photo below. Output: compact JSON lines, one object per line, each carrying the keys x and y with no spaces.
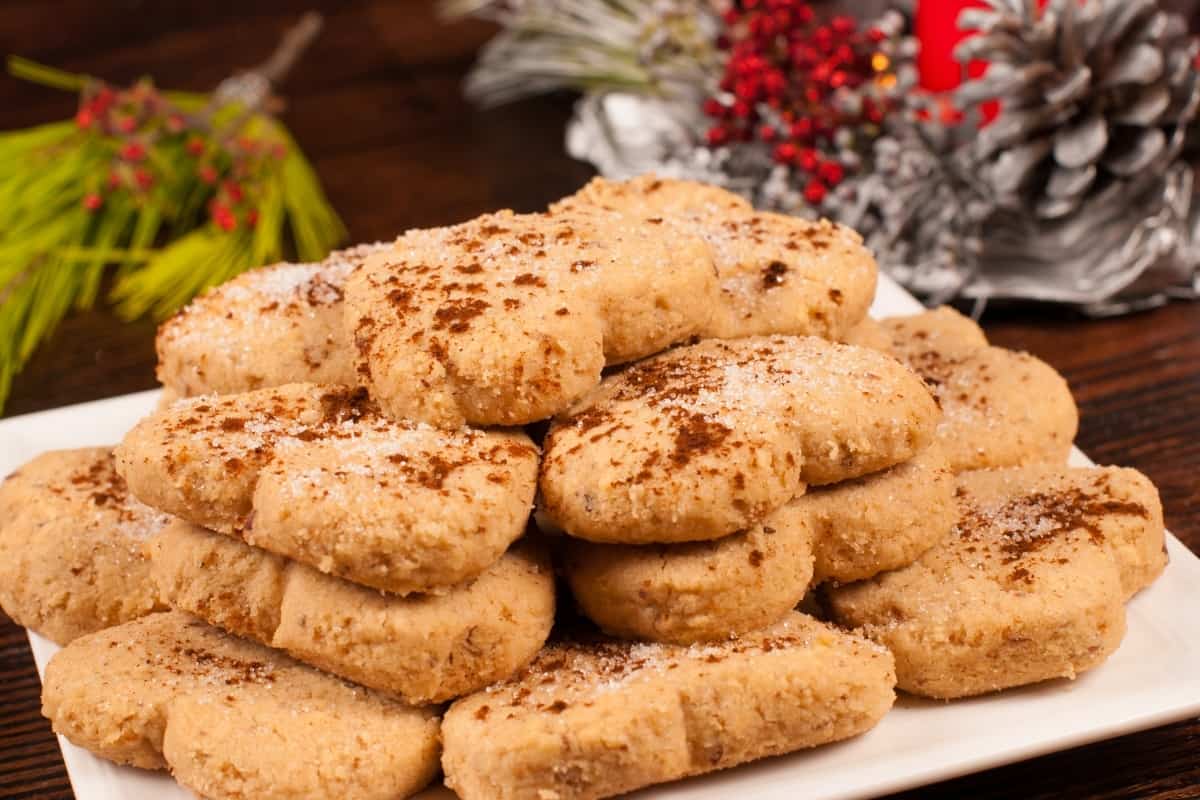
{"x":1095,"y":95}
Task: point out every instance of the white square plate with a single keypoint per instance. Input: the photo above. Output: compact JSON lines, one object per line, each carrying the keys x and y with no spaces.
{"x":1152,"y":680}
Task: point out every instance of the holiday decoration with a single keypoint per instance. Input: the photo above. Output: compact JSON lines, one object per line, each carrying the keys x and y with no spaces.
{"x":177,"y":191}
{"x":1038,"y":157}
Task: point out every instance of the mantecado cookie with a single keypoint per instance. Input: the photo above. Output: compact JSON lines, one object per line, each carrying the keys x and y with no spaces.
{"x":777,"y":274}
{"x":1030,"y":586}
{"x":317,"y":474}
{"x":880,"y":521}
{"x":597,"y":719}
{"x":707,"y":440}
{"x":509,"y":318}
{"x":1000,"y":408}
{"x":694,"y":591}
{"x":70,"y":545}
{"x":266,"y":327}
{"x":423,"y":648}
{"x":232,"y":719}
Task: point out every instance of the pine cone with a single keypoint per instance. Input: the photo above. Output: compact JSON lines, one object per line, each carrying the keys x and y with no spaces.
{"x":1095,"y":94}
{"x":920,"y":208}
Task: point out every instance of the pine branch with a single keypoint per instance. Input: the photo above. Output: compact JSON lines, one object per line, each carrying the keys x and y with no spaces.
{"x":174,"y":192}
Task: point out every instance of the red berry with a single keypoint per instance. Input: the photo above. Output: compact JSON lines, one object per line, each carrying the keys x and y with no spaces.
{"x":133,"y":151}
{"x":731,"y":16}
{"x":815,"y":192}
{"x":144,"y":178}
{"x":831,"y":172}
{"x":742,"y":109}
{"x":233,"y":190}
{"x":175,"y":123}
{"x":92,"y":201}
{"x":767,"y":133}
{"x":252,"y":218}
{"x":774,"y":83}
{"x":718,"y":135}
{"x":843,"y":25}
{"x":114,"y":180}
{"x":802,"y":129}
{"x":127,"y":124}
{"x":104,"y":98}
{"x":876,"y":35}
{"x":807,"y":159}
{"x":85,"y":117}
{"x":785,"y":153}
{"x":207,"y":173}
{"x":838,"y":79}
{"x":195,"y":146}
{"x":222,"y":216}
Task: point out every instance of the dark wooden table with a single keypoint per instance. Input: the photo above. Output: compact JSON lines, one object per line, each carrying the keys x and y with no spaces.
{"x":377,"y":106}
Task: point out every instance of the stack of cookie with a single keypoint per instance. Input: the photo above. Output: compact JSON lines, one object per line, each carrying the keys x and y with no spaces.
{"x":337,"y":500}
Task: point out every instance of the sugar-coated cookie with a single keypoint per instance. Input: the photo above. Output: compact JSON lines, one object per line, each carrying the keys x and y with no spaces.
{"x":266,"y":327}
{"x":317,"y":474}
{"x":597,"y":719}
{"x":508,"y":318}
{"x":707,"y":440}
{"x":941,"y":333}
{"x":881,"y":521}
{"x":777,"y":274}
{"x":232,"y":719}
{"x":423,"y":648}
{"x":1029,"y":586}
{"x":70,"y":545}
{"x":1000,"y":408}
{"x":694,"y":591}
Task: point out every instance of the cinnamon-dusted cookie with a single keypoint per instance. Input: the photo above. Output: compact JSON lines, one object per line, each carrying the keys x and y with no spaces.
{"x":694,"y":591}
{"x":70,"y":545}
{"x":601,"y":718}
{"x":707,"y":440}
{"x":317,"y":474}
{"x":881,"y":521}
{"x":508,"y":318}
{"x":423,"y":648}
{"x":232,"y":719}
{"x":1030,"y":585}
{"x":939,"y":334}
{"x":266,"y":327}
{"x":868,"y":333}
{"x":778,"y":274}
{"x":1000,"y":408}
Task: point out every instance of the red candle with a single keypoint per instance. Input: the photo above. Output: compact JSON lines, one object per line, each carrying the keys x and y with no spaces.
{"x":938,"y":32}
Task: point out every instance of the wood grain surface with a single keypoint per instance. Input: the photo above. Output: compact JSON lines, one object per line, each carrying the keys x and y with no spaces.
{"x":376,"y":104}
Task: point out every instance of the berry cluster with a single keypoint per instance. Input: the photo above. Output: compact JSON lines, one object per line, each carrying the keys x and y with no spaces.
{"x":785,"y":83}
{"x":144,"y":132}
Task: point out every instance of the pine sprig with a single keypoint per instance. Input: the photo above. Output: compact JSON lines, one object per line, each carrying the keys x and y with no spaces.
{"x":168,"y":192}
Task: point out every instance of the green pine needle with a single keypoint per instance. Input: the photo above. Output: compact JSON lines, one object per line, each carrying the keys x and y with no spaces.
{"x":64,"y":226}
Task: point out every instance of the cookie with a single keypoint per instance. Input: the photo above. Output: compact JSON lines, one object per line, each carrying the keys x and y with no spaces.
{"x":881,"y":521}
{"x":707,"y":440}
{"x":694,"y":591}
{"x":868,"y":333}
{"x":940,"y":334}
{"x":1029,"y":586}
{"x":317,"y":474}
{"x":70,"y":545}
{"x":1000,"y":408}
{"x":509,"y":318}
{"x":266,"y":327}
{"x":777,"y":274}
{"x":232,"y":719}
{"x":423,"y":648}
{"x":597,"y":719}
